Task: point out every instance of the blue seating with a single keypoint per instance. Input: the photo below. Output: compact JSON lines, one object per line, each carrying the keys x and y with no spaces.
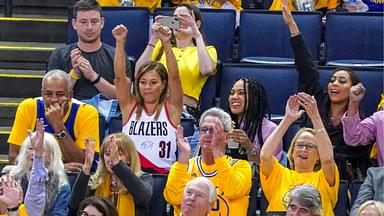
{"x":218,"y":28}
{"x":354,"y":188}
{"x":372,"y":79}
{"x":264,"y":37}
{"x":279,"y":81}
{"x":208,"y":94}
{"x":134,"y":18}
{"x":114,"y":125}
{"x":354,"y":39}
{"x":342,"y":201}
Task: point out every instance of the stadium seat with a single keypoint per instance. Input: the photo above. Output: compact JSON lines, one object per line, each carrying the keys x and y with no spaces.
{"x":354,"y":39}
{"x":136,"y":19}
{"x":342,"y":201}
{"x":218,"y":27}
{"x":208,"y":94}
{"x":354,"y":188}
{"x":372,"y":79}
{"x":264,"y":37}
{"x":114,"y":125}
{"x":279,"y":81}
{"x":72,"y":176}
{"x":188,"y":126}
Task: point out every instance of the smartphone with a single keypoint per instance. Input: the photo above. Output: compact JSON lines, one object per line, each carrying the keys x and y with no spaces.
{"x":170,"y":21}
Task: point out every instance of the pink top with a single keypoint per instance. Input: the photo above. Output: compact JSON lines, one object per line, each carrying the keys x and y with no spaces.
{"x":363,"y":132}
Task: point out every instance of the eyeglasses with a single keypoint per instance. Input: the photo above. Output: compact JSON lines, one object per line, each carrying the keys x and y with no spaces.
{"x":301,"y":210}
{"x":301,"y":146}
{"x":204,"y":130}
{"x":190,"y":193}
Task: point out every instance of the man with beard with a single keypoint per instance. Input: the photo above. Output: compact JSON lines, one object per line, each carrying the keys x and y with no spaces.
{"x":89,"y":62}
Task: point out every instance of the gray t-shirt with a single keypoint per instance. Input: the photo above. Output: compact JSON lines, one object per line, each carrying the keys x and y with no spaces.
{"x":101,"y":61}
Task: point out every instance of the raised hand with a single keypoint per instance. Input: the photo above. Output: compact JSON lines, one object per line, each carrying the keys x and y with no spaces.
{"x":89,"y":154}
{"x":356,"y":93}
{"x":164,"y":34}
{"x":292,"y":112}
{"x":75,"y":55}
{"x":218,"y":142}
{"x":183,"y":146}
{"x":288,"y":18}
{"x":37,"y":139}
{"x":188,"y":21}
{"x":241,"y":137}
{"x":120,"y":33}
{"x":9,"y":191}
{"x":308,"y":102}
{"x":114,"y":151}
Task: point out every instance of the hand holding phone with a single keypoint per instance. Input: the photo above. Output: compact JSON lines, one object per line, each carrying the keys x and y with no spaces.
{"x":171,"y":22}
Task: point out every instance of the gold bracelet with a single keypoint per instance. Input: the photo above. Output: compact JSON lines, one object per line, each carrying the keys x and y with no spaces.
{"x":73,"y":75}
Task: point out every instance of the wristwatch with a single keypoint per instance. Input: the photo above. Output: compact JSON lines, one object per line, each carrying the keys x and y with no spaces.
{"x":61,"y":135}
{"x":254,"y":151}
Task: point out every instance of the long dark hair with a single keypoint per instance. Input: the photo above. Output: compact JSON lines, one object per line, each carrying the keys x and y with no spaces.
{"x":255,"y":110}
{"x":196,"y":11}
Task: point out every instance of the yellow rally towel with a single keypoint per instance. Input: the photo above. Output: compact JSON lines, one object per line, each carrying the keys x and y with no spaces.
{"x":125,"y":203}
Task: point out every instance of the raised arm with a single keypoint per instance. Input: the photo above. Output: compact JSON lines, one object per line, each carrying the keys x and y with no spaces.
{"x":324,"y":145}
{"x":122,"y":82}
{"x":175,"y":97}
{"x":308,"y":74}
{"x":140,"y":190}
{"x":357,"y":131}
{"x":148,"y":51}
{"x":35,"y":195}
{"x":292,"y":113}
{"x":207,"y":64}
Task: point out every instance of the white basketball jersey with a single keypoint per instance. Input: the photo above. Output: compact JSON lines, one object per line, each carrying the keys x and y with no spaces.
{"x":155,"y":140}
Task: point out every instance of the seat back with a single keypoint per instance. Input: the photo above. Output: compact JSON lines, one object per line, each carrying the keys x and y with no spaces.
{"x":114,"y":125}
{"x":208,"y":94}
{"x":136,"y":19}
{"x":371,"y":78}
{"x":354,"y":38}
{"x":342,"y":201}
{"x":279,"y":82}
{"x":264,"y":36}
{"x":218,"y":28}
{"x":354,"y":188}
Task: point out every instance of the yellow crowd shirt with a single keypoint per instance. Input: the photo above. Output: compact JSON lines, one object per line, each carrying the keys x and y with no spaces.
{"x":109,"y":2}
{"x":187,"y":60}
{"x":86,"y":124}
{"x":231,"y":177}
{"x":151,"y":4}
{"x":214,"y":4}
{"x":22,"y":211}
{"x":281,"y":181}
{"x":319,"y":4}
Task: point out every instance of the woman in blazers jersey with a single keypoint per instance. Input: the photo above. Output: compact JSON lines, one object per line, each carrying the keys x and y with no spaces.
{"x":150,"y":117}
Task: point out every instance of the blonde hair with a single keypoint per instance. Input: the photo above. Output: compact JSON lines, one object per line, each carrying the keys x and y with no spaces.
{"x":379,"y":206}
{"x":127,"y":147}
{"x":55,"y":166}
{"x":292,"y":146}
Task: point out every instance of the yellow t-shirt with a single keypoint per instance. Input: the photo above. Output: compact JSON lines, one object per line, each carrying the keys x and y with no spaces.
{"x":277,"y":186}
{"x":231,"y":177}
{"x":103,"y":3}
{"x":214,"y":4}
{"x":86,"y":124}
{"x":22,"y":211}
{"x":330,"y":4}
{"x":187,"y":60}
{"x":151,"y":4}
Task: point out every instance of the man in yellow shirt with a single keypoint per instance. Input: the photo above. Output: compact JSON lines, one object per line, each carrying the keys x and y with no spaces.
{"x":68,"y":119}
{"x":231,"y":177}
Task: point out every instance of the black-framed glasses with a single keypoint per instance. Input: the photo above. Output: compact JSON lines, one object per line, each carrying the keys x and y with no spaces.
{"x":204,"y":130}
{"x":308,"y":147}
